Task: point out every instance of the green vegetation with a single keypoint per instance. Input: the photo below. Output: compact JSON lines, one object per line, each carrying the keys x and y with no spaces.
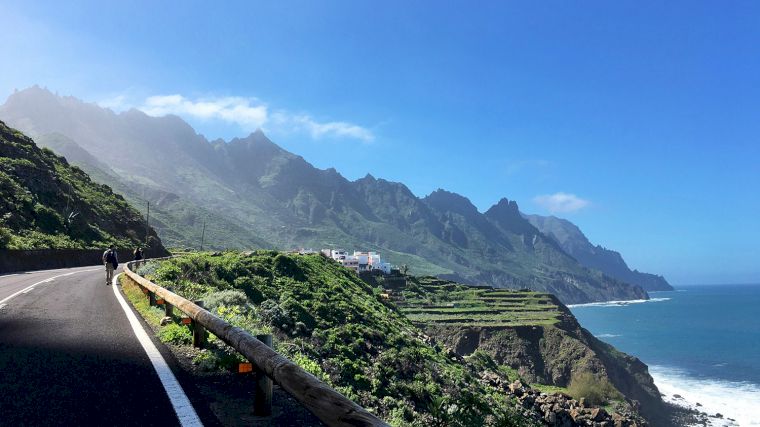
{"x":428,"y":300}
{"x":175,"y":334}
{"x":529,"y":336}
{"x":216,"y":356}
{"x":46,"y":203}
{"x":337,"y":327}
{"x":595,"y":390}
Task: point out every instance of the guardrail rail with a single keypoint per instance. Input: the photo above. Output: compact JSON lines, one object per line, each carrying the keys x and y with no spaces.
{"x":331,"y":407}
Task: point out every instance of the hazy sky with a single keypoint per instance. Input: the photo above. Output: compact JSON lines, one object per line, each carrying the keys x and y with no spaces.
{"x":638,"y":121}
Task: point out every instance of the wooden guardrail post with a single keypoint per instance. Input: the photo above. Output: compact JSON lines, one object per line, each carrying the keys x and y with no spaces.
{"x":262,"y":399}
{"x":168,"y":307}
{"x":151,"y":299}
{"x":199,"y":332}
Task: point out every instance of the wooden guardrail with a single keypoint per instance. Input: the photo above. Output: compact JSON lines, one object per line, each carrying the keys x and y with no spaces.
{"x":331,"y":407}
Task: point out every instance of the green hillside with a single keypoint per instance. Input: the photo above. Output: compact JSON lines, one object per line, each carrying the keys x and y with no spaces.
{"x":343,"y":331}
{"x":47,"y":203}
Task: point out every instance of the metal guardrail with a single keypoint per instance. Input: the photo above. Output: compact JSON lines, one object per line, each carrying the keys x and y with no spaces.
{"x":331,"y":407}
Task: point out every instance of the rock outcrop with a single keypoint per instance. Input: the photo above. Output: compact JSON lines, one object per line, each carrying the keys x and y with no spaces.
{"x":561,"y":410}
{"x":552,"y":354}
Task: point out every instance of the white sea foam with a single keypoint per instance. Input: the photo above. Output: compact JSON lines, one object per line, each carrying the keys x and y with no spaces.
{"x":608,"y":335}
{"x":737,"y":400}
{"x":618,"y":303}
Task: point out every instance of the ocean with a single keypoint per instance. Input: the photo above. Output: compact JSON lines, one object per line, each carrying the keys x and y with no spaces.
{"x":701,"y":343}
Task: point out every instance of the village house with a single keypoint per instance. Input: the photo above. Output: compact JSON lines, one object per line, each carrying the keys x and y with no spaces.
{"x":359,"y":261}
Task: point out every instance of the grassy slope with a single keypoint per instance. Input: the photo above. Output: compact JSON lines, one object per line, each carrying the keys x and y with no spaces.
{"x":47,"y":203}
{"x":428,"y":300}
{"x":342,"y":330}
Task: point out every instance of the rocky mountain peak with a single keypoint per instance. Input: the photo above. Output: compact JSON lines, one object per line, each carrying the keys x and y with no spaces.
{"x":443,"y":200}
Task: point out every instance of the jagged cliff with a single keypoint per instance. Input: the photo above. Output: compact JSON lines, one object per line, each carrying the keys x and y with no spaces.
{"x":532,"y":333}
{"x":572,"y":240}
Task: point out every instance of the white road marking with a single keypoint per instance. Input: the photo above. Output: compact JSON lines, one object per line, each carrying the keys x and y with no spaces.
{"x":27,"y":290}
{"x":182,"y":406}
{"x":48,"y":280}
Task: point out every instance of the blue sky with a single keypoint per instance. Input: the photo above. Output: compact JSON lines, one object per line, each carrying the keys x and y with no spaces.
{"x":638,"y":121}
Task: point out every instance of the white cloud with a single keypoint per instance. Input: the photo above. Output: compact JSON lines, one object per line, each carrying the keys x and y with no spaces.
{"x":319,"y":130}
{"x":248,"y":113}
{"x":561,"y":202}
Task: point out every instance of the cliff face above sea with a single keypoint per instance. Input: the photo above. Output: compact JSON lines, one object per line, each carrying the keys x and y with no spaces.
{"x":533,"y":334}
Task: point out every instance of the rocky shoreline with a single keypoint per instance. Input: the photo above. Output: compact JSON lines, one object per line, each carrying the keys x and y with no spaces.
{"x":561,"y":410}
{"x":691,"y":414}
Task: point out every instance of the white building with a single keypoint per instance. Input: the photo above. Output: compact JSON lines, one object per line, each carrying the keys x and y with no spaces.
{"x":359,"y":261}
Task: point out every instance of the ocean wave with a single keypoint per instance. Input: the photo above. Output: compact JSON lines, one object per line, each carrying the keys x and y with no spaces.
{"x":736,"y":400}
{"x":618,"y":303}
{"x":608,"y":335}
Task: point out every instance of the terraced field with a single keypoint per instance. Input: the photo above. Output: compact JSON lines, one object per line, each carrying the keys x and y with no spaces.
{"x":427,"y":300}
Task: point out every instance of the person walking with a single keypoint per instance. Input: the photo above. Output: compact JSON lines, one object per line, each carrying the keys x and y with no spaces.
{"x":138,"y":253}
{"x":111,"y":262}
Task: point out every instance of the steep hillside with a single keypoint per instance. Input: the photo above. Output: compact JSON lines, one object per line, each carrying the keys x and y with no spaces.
{"x":353,"y":337}
{"x":178,"y":221}
{"x":338,"y":328}
{"x":47,"y":203}
{"x":532,"y":333}
{"x":251,"y":192}
{"x":575,"y":243}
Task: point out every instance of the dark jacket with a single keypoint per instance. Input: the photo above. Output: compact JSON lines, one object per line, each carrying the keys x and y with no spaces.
{"x":111,"y":256}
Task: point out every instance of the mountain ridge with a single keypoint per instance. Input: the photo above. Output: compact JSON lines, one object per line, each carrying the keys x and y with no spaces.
{"x":572,"y":240}
{"x":280,"y":198}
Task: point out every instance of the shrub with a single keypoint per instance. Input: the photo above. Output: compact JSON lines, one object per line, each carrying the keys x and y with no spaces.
{"x":206,"y":360}
{"x":47,"y":220}
{"x":148,"y":270}
{"x":596,"y":391}
{"x":250,"y":285}
{"x":229,"y":298}
{"x":287,"y":266}
{"x":310,"y":366}
{"x":175,"y":334}
{"x":273,"y":314}
{"x":298,"y":313}
{"x":5,"y":237}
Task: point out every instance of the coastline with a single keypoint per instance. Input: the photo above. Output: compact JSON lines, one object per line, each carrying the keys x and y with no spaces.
{"x":615,"y":303}
{"x":719,"y":403}
{"x":706,"y":391}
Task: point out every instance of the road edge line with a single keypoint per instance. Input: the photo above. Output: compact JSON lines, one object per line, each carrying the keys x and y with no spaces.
{"x":181,"y":404}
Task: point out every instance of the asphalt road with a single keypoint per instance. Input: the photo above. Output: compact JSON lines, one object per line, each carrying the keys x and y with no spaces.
{"x":68,"y":355}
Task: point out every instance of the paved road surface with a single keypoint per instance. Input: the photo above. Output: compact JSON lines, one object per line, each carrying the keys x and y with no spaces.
{"x":68,"y":355}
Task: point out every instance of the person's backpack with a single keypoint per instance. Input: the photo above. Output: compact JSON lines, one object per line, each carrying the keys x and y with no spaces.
{"x":111,"y":257}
